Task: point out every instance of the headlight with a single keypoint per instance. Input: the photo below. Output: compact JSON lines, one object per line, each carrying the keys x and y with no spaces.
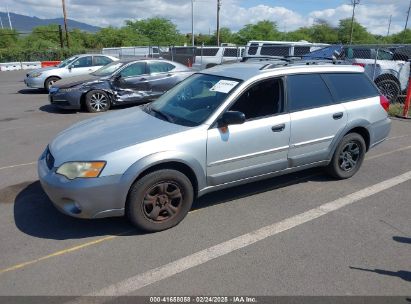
{"x":38,"y":74}
{"x":73,"y":170}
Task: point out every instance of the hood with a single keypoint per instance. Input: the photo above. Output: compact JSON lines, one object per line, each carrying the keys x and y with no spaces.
{"x":42,"y":70}
{"x":76,"y":80}
{"x":92,"y":139}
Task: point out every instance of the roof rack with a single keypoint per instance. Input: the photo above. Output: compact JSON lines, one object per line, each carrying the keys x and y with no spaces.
{"x":301,"y":63}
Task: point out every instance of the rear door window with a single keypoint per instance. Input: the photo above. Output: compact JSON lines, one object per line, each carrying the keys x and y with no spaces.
{"x":306,"y":92}
{"x":101,"y":60}
{"x":350,"y":86}
{"x":160,"y":67}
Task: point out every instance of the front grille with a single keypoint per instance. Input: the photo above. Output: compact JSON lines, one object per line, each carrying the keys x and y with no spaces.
{"x":49,"y":160}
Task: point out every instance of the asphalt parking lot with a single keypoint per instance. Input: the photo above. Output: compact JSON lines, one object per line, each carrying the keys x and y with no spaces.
{"x":301,"y":234}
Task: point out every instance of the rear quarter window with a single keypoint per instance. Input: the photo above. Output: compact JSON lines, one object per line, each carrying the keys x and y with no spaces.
{"x":350,"y":86}
{"x":306,"y":92}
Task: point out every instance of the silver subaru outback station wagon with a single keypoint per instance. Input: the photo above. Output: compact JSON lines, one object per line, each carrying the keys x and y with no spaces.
{"x":230,"y":125}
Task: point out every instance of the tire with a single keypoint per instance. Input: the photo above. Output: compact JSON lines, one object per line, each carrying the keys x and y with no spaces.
{"x":389,"y":88}
{"x":97,"y":101}
{"x":49,"y":82}
{"x":348,"y":156}
{"x":151,"y":204}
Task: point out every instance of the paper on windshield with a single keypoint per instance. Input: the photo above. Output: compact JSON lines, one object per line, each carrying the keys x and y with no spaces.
{"x":224,"y":86}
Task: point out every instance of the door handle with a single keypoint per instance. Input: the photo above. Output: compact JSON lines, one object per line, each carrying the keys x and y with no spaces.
{"x":338,"y":115}
{"x":278,"y":128}
{"x":143,"y":79}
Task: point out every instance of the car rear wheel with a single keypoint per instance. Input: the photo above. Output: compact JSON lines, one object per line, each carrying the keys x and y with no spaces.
{"x":348,"y":156}
{"x":389,"y":88}
{"x":97,"y":101}
{"x":49,"y":82}
{"x":159,"y":200}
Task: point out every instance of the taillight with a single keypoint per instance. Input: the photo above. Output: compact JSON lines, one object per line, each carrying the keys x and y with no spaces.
{"x":384,"y":102}
{"x":359,"y":64}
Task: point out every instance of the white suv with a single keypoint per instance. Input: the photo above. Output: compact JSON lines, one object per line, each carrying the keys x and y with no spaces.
{"x":209,"y":56}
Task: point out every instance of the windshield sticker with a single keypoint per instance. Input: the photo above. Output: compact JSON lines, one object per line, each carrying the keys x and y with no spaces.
{"x":224,"y":86}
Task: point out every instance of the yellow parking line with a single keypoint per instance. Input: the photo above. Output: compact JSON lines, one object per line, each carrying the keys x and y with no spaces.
{"x":19,"y":165}
{"x":64,"y":251}
{"x":88,"y":244}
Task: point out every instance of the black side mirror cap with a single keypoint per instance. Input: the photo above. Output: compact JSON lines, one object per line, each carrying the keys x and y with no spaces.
{"x":231,"y":118}
{"x":116,"y":77}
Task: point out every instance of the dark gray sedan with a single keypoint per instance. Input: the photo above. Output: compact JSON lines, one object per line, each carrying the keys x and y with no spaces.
{"x":120,"y":82}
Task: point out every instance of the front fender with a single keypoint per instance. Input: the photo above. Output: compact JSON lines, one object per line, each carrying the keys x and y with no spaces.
{"x":151,"y":160}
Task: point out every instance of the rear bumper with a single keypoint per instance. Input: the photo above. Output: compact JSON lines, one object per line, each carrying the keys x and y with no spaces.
{"x":379,"y":131}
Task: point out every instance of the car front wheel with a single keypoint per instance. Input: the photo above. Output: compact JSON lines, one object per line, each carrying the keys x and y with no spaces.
{"x":348,"y":156}
{"x":49,"y":82}
{"x":159,"y":200}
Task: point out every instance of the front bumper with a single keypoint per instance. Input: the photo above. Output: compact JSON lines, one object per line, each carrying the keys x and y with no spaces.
{"x":34,"y":82}
{"x":65,"y":100}
{"x":82,"y":197}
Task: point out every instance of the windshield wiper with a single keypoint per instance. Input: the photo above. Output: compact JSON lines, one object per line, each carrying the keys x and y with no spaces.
{"x":164,"y":115}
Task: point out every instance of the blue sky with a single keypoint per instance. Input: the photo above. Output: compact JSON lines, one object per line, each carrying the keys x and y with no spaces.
{"x":301,"y":6}
{"x":288,"y":14}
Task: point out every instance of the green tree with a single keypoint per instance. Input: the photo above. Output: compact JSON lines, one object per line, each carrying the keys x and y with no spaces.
{"x":303,"y":33}
{"x":360,"y":33}
{"x":159,"y":31}
{"x":401,"y":37}
{"x":263,"y":30}
{"x":324,"y":33}
{"x":8,"y":38}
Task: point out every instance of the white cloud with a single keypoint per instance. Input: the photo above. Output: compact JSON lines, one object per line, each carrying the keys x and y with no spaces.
{"x":373,"y":15}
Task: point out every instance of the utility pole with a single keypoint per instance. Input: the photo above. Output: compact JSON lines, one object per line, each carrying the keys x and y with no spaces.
{"x":406,"y":22}
{"x":65,"y":23}
{"x":389,"y":26}
{"x":354,"y":3}
{"x":192,"y":22}
{"x":1,"y":22}
{"x":218,"y":21}
{"x":61,"y":37}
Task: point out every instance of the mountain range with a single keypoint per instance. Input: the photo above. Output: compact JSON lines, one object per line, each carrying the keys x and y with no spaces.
{"x":23,"y":23}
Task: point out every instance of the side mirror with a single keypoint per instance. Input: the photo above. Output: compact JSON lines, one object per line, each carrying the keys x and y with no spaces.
{"x":116,"y":77}
{"x":231,"y":118}
{"x":69,"y":67}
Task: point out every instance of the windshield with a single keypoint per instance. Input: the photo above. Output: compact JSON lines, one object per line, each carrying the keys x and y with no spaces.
{"x":193,"y":101}
{"x":108,"y":69}
{"x":67,"y":61}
